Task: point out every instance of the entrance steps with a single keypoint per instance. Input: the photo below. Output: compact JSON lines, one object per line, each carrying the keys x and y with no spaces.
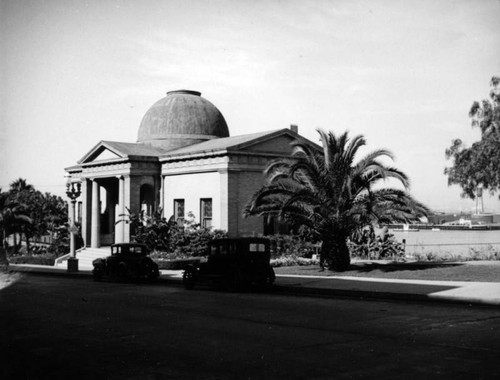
{"x":85,"y":257}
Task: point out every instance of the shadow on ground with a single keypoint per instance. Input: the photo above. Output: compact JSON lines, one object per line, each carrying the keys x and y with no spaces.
{"x":396,"y":267}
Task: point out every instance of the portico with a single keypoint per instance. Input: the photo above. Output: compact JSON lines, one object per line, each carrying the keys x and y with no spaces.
{"x":112,"y":187}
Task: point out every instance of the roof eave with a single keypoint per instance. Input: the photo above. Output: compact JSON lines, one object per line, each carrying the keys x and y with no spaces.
{"x":194,"y":155}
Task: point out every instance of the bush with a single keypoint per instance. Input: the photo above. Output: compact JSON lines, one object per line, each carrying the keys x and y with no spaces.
{"x":168,"y":240}
{"x":43,"y":259}
{"x":371,"y":247}
{"x":163,"y":256}
{"x":489,"y":253}
{"x":193,"y":241}
{"x":154,"y":231}
{"x":291,"y":250}
{"x":286,"y":261}
{"x":177,"y":264}
{"x":290,"y":245}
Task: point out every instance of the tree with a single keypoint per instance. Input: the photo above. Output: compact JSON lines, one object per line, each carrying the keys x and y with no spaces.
{"x":478,"y":167}
{"x":47,"y":212}
{"x":54,"y":214}
{"x":325,"y":190}
{"x":11,"y":215}
{"x":22,"y":192}
{"x":20,"y":186}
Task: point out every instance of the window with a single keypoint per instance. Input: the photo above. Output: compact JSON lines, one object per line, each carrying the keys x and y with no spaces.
{"x":206,"y":212}
{"x":257,"y":247}
{"x":179,"y":210}
{"x":223,"y":249}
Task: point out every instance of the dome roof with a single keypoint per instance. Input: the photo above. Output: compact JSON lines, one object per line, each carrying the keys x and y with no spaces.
{"x":181,"y":118}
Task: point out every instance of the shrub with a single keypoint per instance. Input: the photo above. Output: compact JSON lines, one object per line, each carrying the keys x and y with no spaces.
{"x":154,"y":231}
{"x":168,"y":239}
{"x":290,"y":245}
{"x":489,"y":253}
{"x":162,"y":256}
{"x":43,"y":259}
{"x":193,"y":242}
{"x":285,"y":261}
{"x":177,"y":264}
{"x":368,"y":246}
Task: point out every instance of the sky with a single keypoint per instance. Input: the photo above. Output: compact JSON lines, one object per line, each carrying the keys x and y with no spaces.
{"x":402,"y":73}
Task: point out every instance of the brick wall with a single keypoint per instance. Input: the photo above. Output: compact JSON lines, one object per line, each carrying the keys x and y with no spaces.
{"x":241,"y":186}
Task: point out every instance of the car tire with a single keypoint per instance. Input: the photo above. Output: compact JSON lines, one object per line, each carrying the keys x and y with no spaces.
{"x":234,"y":281}
{"x":97,"y":274}
{"x":122,"y":271}
{"x":153,"y":274}
{"x":189,"y":277}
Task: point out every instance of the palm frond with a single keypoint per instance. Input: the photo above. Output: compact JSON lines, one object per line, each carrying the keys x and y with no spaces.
{"x":327,"y":191}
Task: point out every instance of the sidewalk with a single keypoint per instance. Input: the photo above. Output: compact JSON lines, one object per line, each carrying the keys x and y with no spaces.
{"x":482,"y":293}
{"x":477,"y":293}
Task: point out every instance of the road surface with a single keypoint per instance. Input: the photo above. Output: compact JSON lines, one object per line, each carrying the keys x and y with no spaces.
{"x":69,"y":328}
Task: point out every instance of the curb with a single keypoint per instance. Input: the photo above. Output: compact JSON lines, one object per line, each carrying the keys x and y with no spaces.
{"x":388,"y":296}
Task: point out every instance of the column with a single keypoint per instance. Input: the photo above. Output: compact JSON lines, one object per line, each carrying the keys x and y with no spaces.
{"x":95,"y":234}
{"x":119,"y":226}
{"x":162,"y":195}
{"x":126,"y":206}
{"x":86,"y":210}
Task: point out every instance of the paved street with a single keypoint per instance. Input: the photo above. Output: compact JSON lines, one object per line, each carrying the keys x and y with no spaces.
{"x":58,"y":327}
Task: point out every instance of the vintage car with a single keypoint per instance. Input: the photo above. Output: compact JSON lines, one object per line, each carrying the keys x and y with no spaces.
{"x":128,"y":261}
{"x":234,"y":264}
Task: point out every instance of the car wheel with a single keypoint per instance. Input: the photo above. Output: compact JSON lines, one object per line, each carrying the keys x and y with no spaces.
{"x":189,"y":278}
{"x":234,"y":280}
{"x":266,"y":279}
{"x":153,"y":274}
{"x":97,"y":274}
{"x":122,"y":271}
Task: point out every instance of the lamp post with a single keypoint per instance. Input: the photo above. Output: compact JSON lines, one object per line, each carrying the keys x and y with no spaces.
{"x":73,"y":191}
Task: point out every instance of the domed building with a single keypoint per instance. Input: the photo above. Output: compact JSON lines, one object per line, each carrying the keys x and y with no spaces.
{"x":181,"y":118}
{"x":184,"y":161}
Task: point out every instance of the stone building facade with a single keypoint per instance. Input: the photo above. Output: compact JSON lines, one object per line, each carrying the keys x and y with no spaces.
{"x":184,"y":161}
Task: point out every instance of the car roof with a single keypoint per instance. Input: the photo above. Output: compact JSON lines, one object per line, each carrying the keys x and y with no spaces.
{"x":128,"y":245}
{"x":241,"y":239}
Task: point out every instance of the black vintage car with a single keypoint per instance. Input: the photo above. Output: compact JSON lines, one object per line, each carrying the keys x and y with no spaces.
{"x":234,"y":264}
{"x":128,"y":261}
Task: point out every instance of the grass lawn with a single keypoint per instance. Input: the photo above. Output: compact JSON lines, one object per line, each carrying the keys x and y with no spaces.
{"x":481,"y":271}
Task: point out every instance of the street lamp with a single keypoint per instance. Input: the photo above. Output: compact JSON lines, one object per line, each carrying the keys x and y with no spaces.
{"x":73,"y":191}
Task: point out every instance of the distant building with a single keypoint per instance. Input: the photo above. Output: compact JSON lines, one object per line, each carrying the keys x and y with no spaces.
{"x":464,"y":218}
{"x":184,"y":161}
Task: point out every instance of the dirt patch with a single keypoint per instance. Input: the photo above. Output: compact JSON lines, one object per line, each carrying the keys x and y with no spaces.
{"x":8,"y":278}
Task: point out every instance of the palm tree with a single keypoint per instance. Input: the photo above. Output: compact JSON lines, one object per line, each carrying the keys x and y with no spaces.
{"x":331,"y":194}
{"x":20,"y":185}
{"x":21,"y":191}
{"x":11,"y":215}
